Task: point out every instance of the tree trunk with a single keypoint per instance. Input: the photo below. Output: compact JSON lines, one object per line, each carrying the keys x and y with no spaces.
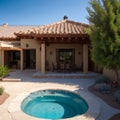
{"x":117,"y":77}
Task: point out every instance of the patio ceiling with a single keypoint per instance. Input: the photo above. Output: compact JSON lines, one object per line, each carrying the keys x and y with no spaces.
{"x":10,"y":45}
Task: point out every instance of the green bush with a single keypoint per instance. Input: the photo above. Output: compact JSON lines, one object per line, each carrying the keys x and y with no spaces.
{"x":103,"y":87}
{"x":102,"y":79}
{"x":3,"y":71}
{"x":1,"y":90}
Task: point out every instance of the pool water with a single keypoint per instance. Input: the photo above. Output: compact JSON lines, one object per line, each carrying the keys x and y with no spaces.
{"x":54,"y":104}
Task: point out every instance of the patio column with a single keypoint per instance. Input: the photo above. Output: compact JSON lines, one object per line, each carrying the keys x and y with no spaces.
{"x":85,"y":58}
{"x":43,"y":58}
{"x":21,"y":59}
{"x":2,"y":57}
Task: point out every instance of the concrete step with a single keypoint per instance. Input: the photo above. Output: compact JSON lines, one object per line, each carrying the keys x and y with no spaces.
{"x":11,"y":80}
{"x":63,"y":75}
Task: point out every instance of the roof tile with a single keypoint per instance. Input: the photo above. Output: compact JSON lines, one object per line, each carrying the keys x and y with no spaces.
{"x":59,"y":28}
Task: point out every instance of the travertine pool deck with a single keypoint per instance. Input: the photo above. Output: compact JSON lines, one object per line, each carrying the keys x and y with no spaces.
{"x":10,"y":110}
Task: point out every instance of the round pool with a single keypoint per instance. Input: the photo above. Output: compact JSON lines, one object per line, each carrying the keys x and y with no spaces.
{"x":54,"y":104}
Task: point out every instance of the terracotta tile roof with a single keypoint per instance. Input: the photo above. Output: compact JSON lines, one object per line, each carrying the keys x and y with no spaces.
{"x":8,"y":31}
{"x":58,"y":28}
{"x":64,"y":27}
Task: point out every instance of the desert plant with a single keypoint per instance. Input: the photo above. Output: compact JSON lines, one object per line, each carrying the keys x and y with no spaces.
{"x":4,"y":71}
{"x":102,"y":79}
{"x":1,"y":90}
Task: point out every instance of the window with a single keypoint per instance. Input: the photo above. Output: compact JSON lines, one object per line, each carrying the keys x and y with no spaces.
{"x":16,"y":55}
{"x":65,"y":56}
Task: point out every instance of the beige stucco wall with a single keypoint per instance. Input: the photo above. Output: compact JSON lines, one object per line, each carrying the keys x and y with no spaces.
{"x":33,"y":44}
{"x":110,"y":74}
{"x":52,"y":48}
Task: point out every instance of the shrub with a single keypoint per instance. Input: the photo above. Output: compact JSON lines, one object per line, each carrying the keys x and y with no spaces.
{"x":3,"y":71}
{"x":102,"y":79}
{"x":103,"y":87}
{"x":1,"y":90}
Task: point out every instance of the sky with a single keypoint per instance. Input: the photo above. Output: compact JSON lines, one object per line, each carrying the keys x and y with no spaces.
{"x":42,"y":12}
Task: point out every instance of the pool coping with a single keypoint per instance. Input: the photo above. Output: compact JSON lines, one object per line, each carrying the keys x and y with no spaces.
{"x":92,"y":113}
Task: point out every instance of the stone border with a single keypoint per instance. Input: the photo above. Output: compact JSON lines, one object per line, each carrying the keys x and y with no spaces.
{"x":92,"y":113}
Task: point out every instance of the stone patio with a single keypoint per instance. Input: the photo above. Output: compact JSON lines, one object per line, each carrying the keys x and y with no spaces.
{"x":29,"y":83}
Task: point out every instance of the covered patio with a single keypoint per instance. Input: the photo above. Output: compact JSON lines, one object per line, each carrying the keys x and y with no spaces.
{"x":63,"y":46}
{"x":10,"y":54}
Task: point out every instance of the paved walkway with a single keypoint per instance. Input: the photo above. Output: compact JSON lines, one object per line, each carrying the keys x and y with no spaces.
{"x":28,"y":83}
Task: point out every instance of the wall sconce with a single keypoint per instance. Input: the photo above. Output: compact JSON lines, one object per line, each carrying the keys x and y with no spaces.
{"x":50,"y":52}
{"x":79,"y":53}
{"x":27,"y":45}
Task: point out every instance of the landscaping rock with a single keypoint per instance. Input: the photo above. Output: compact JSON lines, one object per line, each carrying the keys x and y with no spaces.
{"x":117,"y":96}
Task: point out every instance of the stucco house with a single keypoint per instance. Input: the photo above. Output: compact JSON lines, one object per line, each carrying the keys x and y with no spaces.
{"x":61,"y":46}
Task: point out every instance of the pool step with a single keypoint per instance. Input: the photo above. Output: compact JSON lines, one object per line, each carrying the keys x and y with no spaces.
{"x":11,"y":80}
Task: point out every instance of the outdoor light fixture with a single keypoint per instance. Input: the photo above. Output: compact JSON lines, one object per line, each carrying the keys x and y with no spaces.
{"x":27,"y":45}
{"x":50,"y":52}
{"x":79,"y":53}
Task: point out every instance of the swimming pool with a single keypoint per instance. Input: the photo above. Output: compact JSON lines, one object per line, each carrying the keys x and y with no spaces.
{"x":54,"y":104}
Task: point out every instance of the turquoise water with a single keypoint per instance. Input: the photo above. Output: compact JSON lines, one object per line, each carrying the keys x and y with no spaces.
{"x":54,"y":104}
